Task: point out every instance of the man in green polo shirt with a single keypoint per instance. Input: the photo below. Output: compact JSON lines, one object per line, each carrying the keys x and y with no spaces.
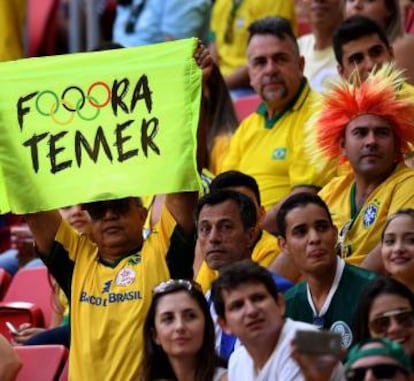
{"x":328,"y":295}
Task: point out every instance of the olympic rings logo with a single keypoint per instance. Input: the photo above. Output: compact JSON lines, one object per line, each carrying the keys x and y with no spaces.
{"x":49,"y":97}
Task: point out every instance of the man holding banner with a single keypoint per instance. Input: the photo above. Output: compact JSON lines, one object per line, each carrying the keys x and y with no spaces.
{"x":109,"y":282}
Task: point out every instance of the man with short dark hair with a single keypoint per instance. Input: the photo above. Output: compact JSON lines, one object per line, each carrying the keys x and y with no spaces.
{"x":250,"y":306}
{"x":326,"y":298}
{"x":360,"y":44}
{"x":226,"y":223}
{"x":269,"y":144}
{"x":265,"y":246}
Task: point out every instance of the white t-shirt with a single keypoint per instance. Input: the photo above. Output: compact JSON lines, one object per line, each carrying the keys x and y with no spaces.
{"x":218,"y":373}
{"x":280,"y":366}
{"x":320,"y":65}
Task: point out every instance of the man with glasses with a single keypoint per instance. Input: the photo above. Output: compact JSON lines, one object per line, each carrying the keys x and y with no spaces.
{"x":378,"y":359}
{"x":109,"y":280}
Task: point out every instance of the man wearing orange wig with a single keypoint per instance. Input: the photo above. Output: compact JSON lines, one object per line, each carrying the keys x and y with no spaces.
{"x":370,"y":125}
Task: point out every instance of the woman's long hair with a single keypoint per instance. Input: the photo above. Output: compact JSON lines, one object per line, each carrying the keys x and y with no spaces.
{"x":155,"y":364}
{"x":221,"y":116}
{"x":379,"y":286}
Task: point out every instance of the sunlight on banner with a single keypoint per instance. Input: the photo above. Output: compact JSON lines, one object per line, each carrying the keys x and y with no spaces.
{"x":100,"y":125}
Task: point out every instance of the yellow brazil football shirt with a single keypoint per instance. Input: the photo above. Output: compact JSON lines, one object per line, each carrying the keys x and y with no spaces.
{"x":360,"y":230}
{"x":109,"y":302}
{"x":272,"y":150}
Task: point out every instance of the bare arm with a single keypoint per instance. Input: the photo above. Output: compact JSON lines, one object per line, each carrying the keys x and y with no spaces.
{"x":181,"y":205}
{"x":269,"y":221}
{"x":373,"y":261}
{"x":10,"y":363}
{"x":44,"y":226}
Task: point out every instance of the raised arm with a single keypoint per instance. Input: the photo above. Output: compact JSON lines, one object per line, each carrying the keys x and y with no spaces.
{"x":44,"y":226}
{"x":181,"y":205}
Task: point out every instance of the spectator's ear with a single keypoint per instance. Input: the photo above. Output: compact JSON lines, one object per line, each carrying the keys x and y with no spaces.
{"x":282,"y":244}
{"x":281,"y":303}
{"x":223,"y":325}
{"x":341,"y":71}
{"x":251,"y":235}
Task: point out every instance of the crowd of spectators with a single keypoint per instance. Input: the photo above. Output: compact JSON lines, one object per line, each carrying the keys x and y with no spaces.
{"x":304,"y":226}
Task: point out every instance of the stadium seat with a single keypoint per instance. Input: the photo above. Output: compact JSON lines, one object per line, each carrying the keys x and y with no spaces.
{"x":28,"y":299}
{"x":41,"y":27}
{"x":64,"y":374}
{"x":5,"y":279}
{"x":41,"y":362}
{"x":304,"y":27}
{"x":244,"y":106}
{"x":4,"y":238}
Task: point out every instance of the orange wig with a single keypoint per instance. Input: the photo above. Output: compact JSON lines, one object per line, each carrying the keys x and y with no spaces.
{"x":383,"y":94}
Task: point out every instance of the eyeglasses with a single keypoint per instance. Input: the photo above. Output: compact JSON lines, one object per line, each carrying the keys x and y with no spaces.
{"x":98,"y":209}
{"x":380,"y":325}
{"x":175,"y":284}
{"x":380,"y":371}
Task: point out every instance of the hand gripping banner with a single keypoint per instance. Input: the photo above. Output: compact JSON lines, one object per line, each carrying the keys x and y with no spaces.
{"x":99,"y":125}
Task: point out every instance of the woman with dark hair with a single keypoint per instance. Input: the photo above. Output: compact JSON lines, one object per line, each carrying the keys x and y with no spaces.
{"x":397,"y":247}
{"x":386,"y":309}
{"x":179,"y":336}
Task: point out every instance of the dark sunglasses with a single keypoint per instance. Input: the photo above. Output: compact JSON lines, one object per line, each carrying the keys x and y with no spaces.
{"x":380,"y":371}
{"x":175,"y":284}
{"x":380,"y":325}
{"x":97,"y":210}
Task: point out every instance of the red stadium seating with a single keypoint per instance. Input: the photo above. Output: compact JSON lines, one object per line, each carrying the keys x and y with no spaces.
{"x":28,"y":299}
{"x":41,"y":362}
{"x":41,"y":27}
{"x":5,"y":279}
{"x":244,"y":106}
{"x":64,"y":374}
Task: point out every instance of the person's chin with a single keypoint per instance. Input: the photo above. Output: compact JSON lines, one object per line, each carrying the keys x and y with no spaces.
{"x":215,"y":261}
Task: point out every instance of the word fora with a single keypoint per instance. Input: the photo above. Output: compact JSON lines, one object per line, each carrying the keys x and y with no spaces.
{"x":125,"y":143}
{"x":48,"y":103}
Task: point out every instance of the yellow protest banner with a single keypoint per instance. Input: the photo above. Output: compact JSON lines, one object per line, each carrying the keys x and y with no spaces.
{"x":100,"y":125}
